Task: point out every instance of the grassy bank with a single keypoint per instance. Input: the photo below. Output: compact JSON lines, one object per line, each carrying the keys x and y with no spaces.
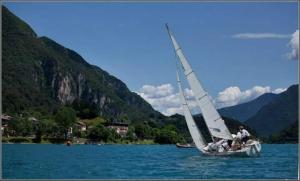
{"x":29,"y":140}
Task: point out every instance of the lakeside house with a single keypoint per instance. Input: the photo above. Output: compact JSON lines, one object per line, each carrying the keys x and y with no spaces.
{"x":120,"y":127}
{"x":5,"y":119}
{"x":33,"y":120}
{"x":81,"y":126}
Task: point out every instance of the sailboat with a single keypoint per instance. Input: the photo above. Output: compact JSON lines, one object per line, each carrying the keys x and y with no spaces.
{"x":214,"y":122}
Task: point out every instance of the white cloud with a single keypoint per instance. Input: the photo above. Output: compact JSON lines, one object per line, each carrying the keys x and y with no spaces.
{"x":164,"y":98}
{"x":159,"y":91}
{"x":233,"y":95}
{"x":294,"y":44}
{"x":260,"y":35}
{"x":279,"y":90}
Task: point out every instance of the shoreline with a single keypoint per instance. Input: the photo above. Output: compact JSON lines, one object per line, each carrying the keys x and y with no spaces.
{"x":83,"y":141}
{"x":100,"y":144}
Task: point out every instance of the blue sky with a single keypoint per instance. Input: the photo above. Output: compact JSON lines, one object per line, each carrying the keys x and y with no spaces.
{"x":129,"y":40}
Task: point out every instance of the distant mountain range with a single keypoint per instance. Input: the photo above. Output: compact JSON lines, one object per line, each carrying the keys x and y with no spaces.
{"x":278,"y":114}
{"x":269,"y":113}
{"x":244,"y":111}
{"x":39,"y":75}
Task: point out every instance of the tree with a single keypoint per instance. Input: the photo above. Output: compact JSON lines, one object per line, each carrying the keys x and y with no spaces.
{"x":84,"y":109}
{"x":44,"y":127}
{"x":113,"y":136}
{"x":21,"y":126}
{"x":99,"y":133}
{"x":143,"y":131}
{"x":168,"y":135}
{"x":65,"y":118}
{"x":130,"y":134}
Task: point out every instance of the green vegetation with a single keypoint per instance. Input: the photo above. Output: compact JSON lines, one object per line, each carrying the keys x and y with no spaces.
{"x":22,"y":127}
{"x":101,"y":133}
{"x":168,"y":135}
{"x":65,"y":118}
{"x":278,"y":114}
{"x":287,"y":135}
{"x":40,"y":75}
{"x":17,"y":140}
{"x":55,"y":85}
{"x":56,"y":129}
{"x":84,"y":109}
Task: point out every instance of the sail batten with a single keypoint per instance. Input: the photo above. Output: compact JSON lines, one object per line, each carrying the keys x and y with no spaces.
{"x":213,"y":120}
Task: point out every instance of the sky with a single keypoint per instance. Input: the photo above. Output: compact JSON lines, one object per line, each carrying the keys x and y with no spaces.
{"x":238,"y":50}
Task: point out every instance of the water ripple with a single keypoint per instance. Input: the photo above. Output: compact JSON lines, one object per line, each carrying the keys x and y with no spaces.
{"x":143,"y":162}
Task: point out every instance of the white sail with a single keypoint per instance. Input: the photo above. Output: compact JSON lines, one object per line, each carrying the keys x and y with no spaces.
{"x":213,"y":120}
{"x":195,"y":133}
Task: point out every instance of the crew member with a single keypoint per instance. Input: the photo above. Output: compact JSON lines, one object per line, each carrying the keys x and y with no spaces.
{"x":245,"y":135}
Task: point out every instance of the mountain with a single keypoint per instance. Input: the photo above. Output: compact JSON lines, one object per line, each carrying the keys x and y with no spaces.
{"x":243,"y":112}
{"x":287,"y":135}
{"x":276,"y":115}
{"x":40,"y":74}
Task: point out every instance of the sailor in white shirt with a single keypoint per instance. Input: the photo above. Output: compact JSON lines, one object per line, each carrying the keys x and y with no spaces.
{"x":238,"y":135}
{"x":245,"y":135}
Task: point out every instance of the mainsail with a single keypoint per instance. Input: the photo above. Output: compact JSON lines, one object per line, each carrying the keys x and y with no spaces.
{"x":195,"y":133}
{"x":214,"y":121}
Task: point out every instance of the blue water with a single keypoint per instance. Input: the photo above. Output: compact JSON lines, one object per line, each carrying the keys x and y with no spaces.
{"x":143,"y":162}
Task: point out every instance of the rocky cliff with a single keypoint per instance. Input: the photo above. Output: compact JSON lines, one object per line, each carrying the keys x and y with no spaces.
{"x":40,"y":74}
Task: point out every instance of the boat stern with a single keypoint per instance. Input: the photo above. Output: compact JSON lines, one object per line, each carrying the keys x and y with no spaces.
{"x":253,"y":149}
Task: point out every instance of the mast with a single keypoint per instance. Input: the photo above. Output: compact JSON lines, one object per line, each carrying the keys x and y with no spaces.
{"x":213,"y":120}
{"x":194,"y":131}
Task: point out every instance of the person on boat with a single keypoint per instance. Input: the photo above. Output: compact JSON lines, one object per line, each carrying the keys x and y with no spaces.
{"x":218,"y":145}
{"x":222,"y":145}
{"x":229,"y":142}
{"x":235,"y":145}
{"x":212,"y":147}
{"x":238,"y":139}
{"x":245,"y":135}
{"x":238,"y":136}
{"x":225,"y":145}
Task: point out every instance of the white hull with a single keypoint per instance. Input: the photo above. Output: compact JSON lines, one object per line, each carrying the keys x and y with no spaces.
{"x":250,"y":150}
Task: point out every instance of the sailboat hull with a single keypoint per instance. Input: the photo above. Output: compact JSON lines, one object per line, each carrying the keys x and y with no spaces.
{"x":250,"y":150}
{"x":214,"y":122}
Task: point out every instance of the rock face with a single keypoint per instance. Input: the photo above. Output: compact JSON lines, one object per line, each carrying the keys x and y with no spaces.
{"x":40,"y":74}
{"x":64,"y":91}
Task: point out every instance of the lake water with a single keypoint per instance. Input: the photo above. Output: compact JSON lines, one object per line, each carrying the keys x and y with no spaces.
{"x":37,"y":161}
